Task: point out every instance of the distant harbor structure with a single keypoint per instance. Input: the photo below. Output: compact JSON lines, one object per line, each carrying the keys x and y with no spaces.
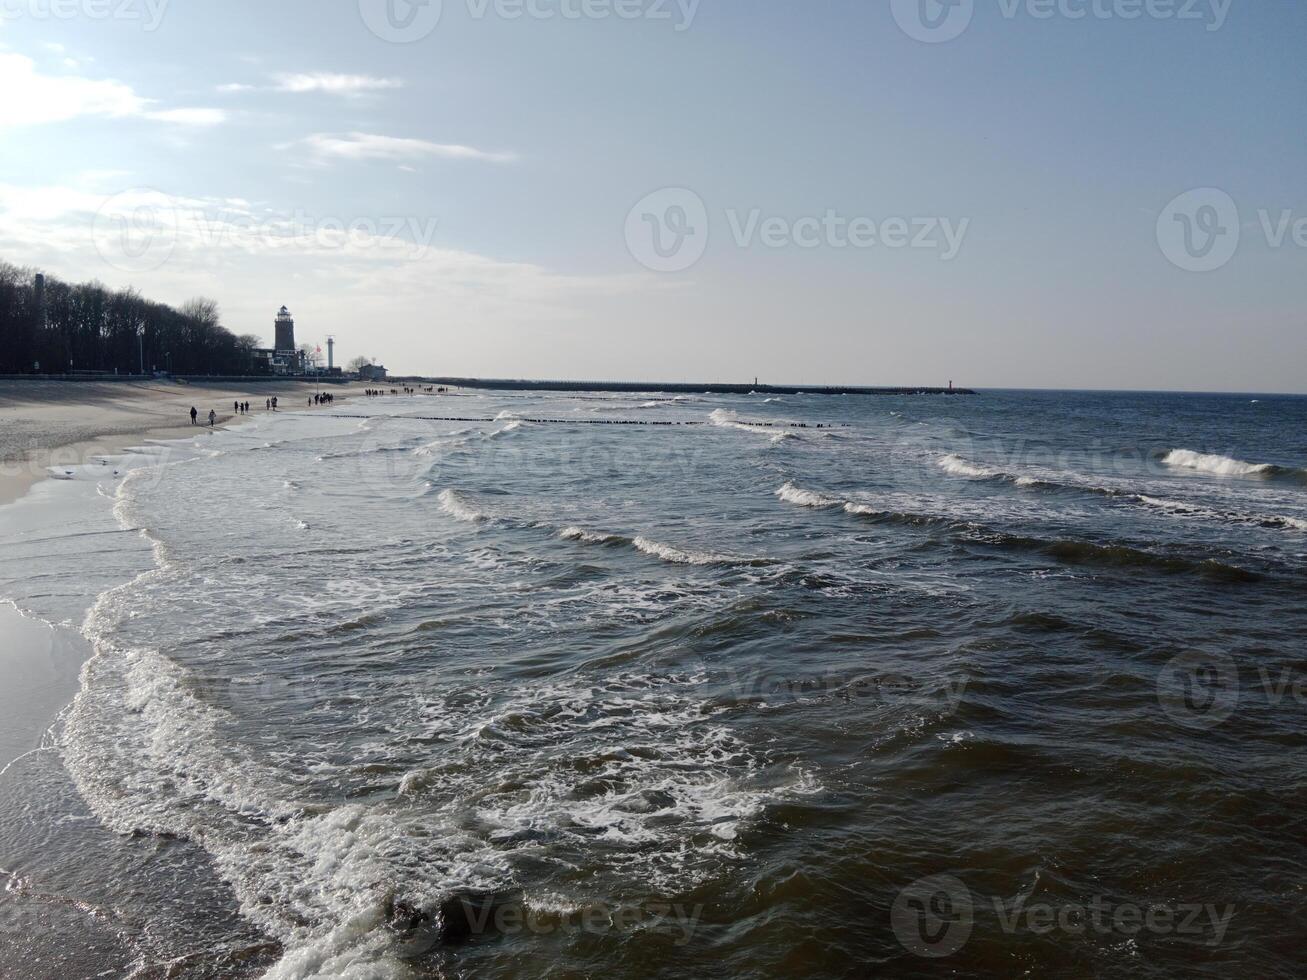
{"x":372,"y":372}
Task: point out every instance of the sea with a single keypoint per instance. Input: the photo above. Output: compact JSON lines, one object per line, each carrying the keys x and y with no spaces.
{"x":591,"y":685}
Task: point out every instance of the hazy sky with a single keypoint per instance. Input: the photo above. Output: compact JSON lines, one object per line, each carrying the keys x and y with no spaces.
{"x":844,"y":191}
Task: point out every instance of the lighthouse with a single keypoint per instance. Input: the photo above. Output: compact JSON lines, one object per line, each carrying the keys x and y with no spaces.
{"x":285,"y":326}
{"x":331,"y":353}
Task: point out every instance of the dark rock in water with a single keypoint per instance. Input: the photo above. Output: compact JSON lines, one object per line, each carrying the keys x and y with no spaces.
{"x":457,"y":920}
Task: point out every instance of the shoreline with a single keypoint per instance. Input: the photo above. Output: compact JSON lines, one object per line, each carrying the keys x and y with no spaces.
{"x":45,"y":424}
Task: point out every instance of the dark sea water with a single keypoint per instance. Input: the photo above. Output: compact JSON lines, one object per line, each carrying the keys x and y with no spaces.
{"x":1005,"y":685}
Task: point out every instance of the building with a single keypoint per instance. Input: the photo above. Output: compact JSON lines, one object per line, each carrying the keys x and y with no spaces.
{"x":285,"y":327}
{"x":372,"y":372}
{"x":282,"y":357}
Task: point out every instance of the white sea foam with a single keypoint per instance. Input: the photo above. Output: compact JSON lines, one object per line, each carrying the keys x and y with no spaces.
{"x":680,"y":556}
{"x":1217,"y":465}
{"x":807,"y":498}
{"x":460,"y":507}
{"x":957,"y":466}
{"x":512,"y":426}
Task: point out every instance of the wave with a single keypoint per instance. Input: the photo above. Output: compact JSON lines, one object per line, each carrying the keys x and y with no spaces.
{"x":461,"y":508}
{"x":1074,"y":551}
{"x":726,"y":419}
{"x":1227,"y":466}
{"x":814,"y":500}
{"x":957,"y":466}
{"x":807,"y":498}
{"x":679,"y":556}
{"x":1068,"y":550}
{"x":1182,"y":508}
{"x":591,"y":537}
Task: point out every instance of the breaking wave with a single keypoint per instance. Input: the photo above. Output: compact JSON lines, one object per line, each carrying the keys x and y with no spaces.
{"x":461,"y":508}
{"x":1226,"y":466}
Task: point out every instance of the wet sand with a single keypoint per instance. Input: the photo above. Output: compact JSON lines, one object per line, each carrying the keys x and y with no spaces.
{"x":65,"y":423}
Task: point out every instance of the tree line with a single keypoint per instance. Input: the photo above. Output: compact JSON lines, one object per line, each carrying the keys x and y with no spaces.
{"x":75,"y":327}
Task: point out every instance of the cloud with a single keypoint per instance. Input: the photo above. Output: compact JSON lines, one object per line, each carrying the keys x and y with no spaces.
{"x":236,"y":87}
{"x":369,"y":146}
{"x":34,"y":98}
{"x":190,"y":117}
{"x":245,"y":253}
{"x":333,"y":84}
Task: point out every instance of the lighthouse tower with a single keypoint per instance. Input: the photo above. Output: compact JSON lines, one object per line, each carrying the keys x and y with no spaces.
{"x":285,"y":325}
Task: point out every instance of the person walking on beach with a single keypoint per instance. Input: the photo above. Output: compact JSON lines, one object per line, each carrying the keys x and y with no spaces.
{"x":236,"y":407}
{"x":193,"y":414}
{"x":267,"y":404}
{"x":213,"y":416}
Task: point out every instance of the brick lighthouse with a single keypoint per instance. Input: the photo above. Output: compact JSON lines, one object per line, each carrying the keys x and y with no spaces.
{"x":285,"y":325}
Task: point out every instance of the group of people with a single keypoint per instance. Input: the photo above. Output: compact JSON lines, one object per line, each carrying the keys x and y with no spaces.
{"x":325,"y":398}
{"x":379,"y":392}
{"x":238,"y":408}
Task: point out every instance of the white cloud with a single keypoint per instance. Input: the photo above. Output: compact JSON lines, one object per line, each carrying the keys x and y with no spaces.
{"x":189,"y":117}
{"x":334,"y":84}
{"x":369,"y":146}
{"x":32,"y":98}
{"x":249,"y":255}
{"x":234,"y":87}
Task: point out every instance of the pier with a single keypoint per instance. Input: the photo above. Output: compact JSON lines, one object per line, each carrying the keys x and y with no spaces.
{"x":679,"y":388}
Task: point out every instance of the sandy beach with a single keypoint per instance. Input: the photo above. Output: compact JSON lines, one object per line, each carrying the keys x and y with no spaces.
{"x":65,"y":423}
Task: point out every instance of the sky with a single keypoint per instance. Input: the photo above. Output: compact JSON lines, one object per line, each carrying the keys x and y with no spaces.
{"x":1001,"y":193}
